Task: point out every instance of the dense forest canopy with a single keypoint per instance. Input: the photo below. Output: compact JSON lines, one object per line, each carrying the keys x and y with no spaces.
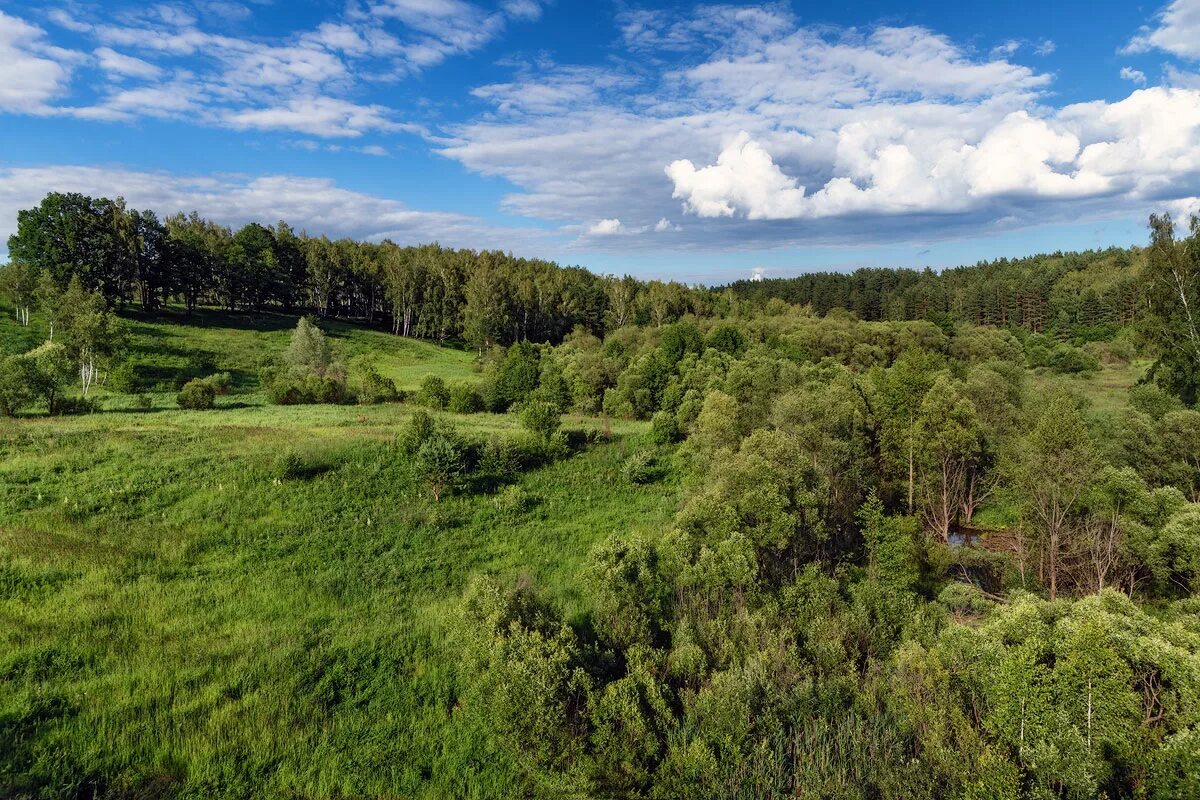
{"x":932,"y":534}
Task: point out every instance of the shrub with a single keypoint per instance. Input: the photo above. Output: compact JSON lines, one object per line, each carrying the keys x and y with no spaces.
{"x":465,"y":398}
{"x":143,"y":401}
{"x":376,"y":388}
{"x":414,"y":433}
{"x":962,"y":598}
{"x":220,"y":382}
{"x":196,"y":395}
{"x":664,"y":428}
{"x":288,"y":466}
{"x":540,"y":418}
{"x":639,"y":468}
{"x":433,"y":392}
{"x":68,"y":406}
{"x":517,"y":376}
{"x":513,"y":501}
{"x":19,"y":384}
{"x":123,"y":378}
{"x":440,"y":462}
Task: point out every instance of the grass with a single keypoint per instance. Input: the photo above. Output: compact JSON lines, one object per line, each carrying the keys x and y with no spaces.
{"x":175,"y":616}
{"x":170,"y":347}
{"x":178,"y":620}
{"x":1106,"y":390}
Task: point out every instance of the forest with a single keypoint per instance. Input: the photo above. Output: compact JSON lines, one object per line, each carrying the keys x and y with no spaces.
{"x":285,"y":516}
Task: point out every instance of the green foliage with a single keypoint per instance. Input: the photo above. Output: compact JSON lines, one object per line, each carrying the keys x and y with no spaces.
{"x":641,"y":467}
{"x":20,"y":383}
{"x":465,"y":398}
{"x":540,"y":418}
{"x":664,"y":428}
{"x":516,"y":377}
{"x":433,"y":392}
{"x":196,"y":395}
{"x":440,"y":461}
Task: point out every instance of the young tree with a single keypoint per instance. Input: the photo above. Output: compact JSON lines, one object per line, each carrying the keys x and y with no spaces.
{"x":19,"y":281}
{"x":951,"y":444}
{"x":308,"y":350}
{"x":1172,"y":278}
{"x":540,"y":418}
{"x":92,"y":334}
{"x":440,"y":462}
{"x":1054,"y":468}
{"x":900,"y":391}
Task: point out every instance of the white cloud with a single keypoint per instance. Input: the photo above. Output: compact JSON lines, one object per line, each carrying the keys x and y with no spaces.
{"x":1006,"y":49}
{"x":317,"y":116}
{"x":770,"y":126}
{"x":32,"y":72}
{"x":1133,"y":75}
{"x":373,"y":150}
{"x":316,"y":204}
{"x":1177,"y":31}
{"x":664,"y":225}
{"x":116,"y":63}
{"x":605,"y":227}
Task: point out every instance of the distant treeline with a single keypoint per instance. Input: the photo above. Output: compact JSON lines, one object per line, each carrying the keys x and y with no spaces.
{"x":1058,"y":292}
{"x":490,"y":297}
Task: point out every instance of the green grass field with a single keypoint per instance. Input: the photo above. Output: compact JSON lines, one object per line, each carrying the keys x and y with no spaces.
{"x":176,"y":620}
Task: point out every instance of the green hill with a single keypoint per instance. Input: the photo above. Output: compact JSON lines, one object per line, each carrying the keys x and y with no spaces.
{"x":178,"y":613}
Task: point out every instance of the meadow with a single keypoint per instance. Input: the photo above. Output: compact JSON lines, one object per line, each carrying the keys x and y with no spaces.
{"x":179,"y":617}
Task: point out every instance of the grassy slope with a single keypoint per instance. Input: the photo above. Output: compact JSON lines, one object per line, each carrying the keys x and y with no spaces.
{"x":172,"y":615}
{"x":170,"y":347}
{"x":169,"y":609}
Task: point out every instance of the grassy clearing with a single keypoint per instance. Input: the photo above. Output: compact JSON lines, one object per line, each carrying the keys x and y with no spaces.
{"x":1107,"y":390}
{"x":176,"y":616}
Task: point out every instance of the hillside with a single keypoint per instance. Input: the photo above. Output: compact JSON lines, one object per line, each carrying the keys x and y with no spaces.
{"x":180,"y":615}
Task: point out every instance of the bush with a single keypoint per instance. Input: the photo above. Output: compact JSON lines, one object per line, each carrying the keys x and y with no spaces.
{"x":433,"y":392}
{"x":196,"y":395}
{"x":664,"y":428}
{"x":513,"y":501}
{"x":19,"y":382}
{"x":376,"y":389}
{"x":440,"y":462}
{"x":540,"y":418}
{"x":221,"y":382}
{"x":465,"y":398}
{"x":123,"y":378}
{"x":69,"y":406}
{"x":414,"y":433}
{"x":288,"y":466}
{"x":640,"y":468}
{"x":143,"y":402}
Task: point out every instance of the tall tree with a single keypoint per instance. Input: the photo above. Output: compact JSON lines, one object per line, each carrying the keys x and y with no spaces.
{"x":1172,"y":278}
{"x":1054,"y":468}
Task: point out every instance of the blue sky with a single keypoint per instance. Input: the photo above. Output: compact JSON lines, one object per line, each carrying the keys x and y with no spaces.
{"x":701,"y":142}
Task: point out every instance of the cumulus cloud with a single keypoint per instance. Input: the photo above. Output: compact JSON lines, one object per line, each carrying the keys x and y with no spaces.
{"x":1177,"y":31}
{"x":1133,"y":75}
{"x":315,"y":204}
{"x":32,"y":71}
{"x":770,"y":126}
{"x":605,"y":227}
